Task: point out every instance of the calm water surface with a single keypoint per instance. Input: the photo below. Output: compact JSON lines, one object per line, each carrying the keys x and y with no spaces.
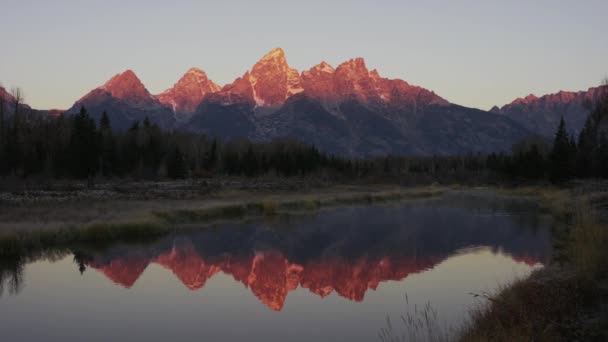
{"x":334,"y":275}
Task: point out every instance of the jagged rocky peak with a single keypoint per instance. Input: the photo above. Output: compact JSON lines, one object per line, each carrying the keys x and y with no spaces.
{"x":324,"y":67}
{"x":353,"y":81}
{"x":270,"y":82}
{"x":354,"y":65}
{"x":318,"y":82}
{"x":126,"y":85}
{"x":188,"y":93}
{"x":273,"y":80}
{"x":526,"y":100}
{"x":277,"y":55}
{"x":543,"y":114}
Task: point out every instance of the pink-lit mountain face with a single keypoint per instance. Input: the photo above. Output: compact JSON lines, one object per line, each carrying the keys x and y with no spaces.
{"x":347,"y":110}
{"x":126,"y":100}
{"x":188,"y":93}
{"x":125,"y":86}
{"x":542,"y":114}
{"x":270,"y":82}
{"x":352,"y":81}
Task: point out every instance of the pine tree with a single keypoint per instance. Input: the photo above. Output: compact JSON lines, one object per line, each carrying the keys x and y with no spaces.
{"x":84,"y":151}
{"x":250,"y":162}
{"x":104,"y":122}
{"x":561,"y":155}
{"x":176,"y":166}
{"x":2,"y":134}
{"x":212,"y":157}
{"x":601,"y":156}
{"x":586,"y":148}
{"x":533,"y":163}
{"x":3,"y":161}
{"x":108,"y":155}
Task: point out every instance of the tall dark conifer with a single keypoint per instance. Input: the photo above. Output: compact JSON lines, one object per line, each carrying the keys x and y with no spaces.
{"x":3,"y":161}
{"x":107,"y":145}
{"x":561,"y":155}
{"x":84,"y":151}
{"x":176,"y":165}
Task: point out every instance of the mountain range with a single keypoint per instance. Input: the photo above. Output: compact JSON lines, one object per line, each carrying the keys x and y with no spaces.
{"x":347,"y":110}
{"x":542,"y":114}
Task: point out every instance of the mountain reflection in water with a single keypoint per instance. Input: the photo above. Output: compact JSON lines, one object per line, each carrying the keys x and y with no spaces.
{"x":346,"y":251}
{"x":340,"y":270}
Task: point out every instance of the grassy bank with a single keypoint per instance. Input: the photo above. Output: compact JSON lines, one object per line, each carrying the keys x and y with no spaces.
{"x":565,"y":301}
{"x":272,"y":206}
{"x":158,"y":221}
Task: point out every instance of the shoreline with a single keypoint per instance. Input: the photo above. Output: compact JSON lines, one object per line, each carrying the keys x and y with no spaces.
{"x":565,"y":300}
{"x":39,"y":225}
{"x":558,"y":300}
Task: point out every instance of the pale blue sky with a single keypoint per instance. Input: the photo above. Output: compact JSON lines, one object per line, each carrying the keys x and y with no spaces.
{"x":474,"y":53}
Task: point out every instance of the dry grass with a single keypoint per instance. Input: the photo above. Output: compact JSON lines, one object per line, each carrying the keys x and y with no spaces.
{"x":15,"y":243}
{"x":554,"y":200}
{"x":418,"y":324}
{"x":560,"y":302}
{"x":272,"y":206}
{"x":67,"y":223}
{"x":587,"y":247}
{"x":540,"y":308}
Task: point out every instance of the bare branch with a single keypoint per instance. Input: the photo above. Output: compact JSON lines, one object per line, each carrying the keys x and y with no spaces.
{"x":17,"y":94}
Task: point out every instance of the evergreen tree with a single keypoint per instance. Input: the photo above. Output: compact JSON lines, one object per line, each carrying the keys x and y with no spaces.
{"x":84,"y":154}
{"x":108,"y":155}
{"x":601,"y":157}
{"x":250,"y":162}
{"x":561,"y":155}
{"x":176,"y":166}
{"x":2,"y":134}
{"x":212,"y":156}
{"x":130,"y":152}
{"x":586,"y":148}
{"x":3,"y":161}
{"x":104,"y":122}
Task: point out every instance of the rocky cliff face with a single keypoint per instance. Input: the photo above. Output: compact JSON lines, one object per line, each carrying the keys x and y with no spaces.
{"x":126,"y":100}
{"x":270,"y":82}
{"x":127,"y":86}
{"x":348,"y":110}
{"x":188,"y":93}
{"x":542,"y":114}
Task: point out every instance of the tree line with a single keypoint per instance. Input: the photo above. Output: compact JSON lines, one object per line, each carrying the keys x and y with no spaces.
{"x":566,"y":157}
{"x":77,"y":147}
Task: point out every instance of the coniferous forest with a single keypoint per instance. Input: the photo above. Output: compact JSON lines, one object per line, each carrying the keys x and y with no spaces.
{"x":46,"y":147}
